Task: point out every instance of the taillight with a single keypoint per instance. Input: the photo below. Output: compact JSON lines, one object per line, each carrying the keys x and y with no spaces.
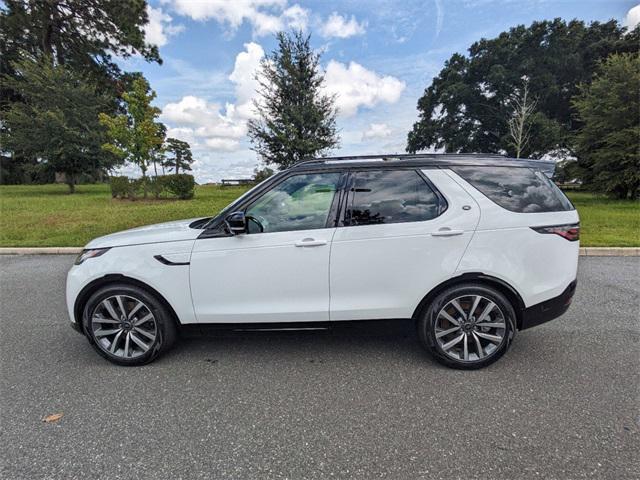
{"x":570,"y":232}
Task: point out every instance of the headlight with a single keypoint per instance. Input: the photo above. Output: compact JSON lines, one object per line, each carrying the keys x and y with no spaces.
{"x":92,"y":253}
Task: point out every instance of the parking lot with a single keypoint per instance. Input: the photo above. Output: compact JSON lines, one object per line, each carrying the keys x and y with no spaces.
{"x":563,"y":403}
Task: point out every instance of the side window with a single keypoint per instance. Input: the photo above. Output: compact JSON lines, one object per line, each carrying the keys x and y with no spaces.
{"x":301,"y":202}
{"x":517,"y":189}
{"x":390,"y":196}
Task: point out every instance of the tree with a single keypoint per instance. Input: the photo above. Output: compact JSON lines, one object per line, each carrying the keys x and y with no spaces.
{"x":181,"y":155}
{"x":158,"y":153}
{"x":57,"y":120}
{"x":82,"y":35}
{"x":608,"y":142}
{"x":466,"y":107}
{"x":135,"y":135}
{"x":296,"y":120}
{"x":519,"y":123}
{"x":261,"y":174}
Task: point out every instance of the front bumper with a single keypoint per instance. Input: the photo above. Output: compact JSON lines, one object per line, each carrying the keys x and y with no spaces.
{"x":76,"y":326}
{"x":549,"y":309}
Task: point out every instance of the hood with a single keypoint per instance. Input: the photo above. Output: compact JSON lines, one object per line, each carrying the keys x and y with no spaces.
{"x":160,"y":232}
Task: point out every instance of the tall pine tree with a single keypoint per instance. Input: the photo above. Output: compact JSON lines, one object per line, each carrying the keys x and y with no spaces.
{"x":181,"y":157}
{"x":609,"y":138}
{"x":296,"y":120}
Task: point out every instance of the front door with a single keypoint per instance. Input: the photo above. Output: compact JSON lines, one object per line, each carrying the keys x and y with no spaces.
{"x":279,"y":270}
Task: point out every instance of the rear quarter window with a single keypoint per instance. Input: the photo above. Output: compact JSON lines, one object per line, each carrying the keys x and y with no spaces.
{"x":517,"y":189}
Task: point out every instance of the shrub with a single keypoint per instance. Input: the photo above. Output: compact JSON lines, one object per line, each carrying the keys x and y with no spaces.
{"x":156,"y":186}
{"x":181,"y":185}
{"x":119,"y":186}
{"x":136,"y":188}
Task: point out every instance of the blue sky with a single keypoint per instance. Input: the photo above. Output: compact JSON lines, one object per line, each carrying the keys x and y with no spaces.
{"x":378,"y":57}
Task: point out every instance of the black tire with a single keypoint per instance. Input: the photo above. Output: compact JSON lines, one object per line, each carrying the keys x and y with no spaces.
{"x":164,"y":328}
{"x":487,"y":352}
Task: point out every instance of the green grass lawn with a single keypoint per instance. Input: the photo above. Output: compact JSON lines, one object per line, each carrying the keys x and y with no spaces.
{"x":47,"y":216}
{"x":606,"y":222}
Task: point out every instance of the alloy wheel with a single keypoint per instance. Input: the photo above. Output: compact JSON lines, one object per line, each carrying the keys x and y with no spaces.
{"x":124,"y":326}
{"x":470,"y":328}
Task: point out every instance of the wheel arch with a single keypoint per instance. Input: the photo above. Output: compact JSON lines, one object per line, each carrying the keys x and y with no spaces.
{"x":476,"y":277}
{"x":90,"y":288}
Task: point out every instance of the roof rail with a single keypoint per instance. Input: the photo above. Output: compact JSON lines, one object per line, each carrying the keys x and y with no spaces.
{"x":396,"y":156}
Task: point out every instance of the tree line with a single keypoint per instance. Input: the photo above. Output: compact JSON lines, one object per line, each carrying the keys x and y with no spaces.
{"x":65,"y":105}
{"x":561,"y":89}
{"x":565,"y":90}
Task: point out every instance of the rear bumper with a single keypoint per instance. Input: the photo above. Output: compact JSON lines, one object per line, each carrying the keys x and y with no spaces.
{"x":549,"y":309}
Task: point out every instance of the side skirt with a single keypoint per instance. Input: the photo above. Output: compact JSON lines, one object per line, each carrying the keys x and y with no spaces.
{"x":372,"y":327}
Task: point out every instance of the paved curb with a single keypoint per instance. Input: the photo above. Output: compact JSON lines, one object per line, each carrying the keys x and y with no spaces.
{"x":610,"y":251}
{"x":40,"y":250}
{"x":584,"y":251}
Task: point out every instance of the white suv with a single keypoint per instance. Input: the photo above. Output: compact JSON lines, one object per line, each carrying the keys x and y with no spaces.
{"x":471,"y":247}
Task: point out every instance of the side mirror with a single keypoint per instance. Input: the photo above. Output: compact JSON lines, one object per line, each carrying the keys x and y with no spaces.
{"x":236,"y":223}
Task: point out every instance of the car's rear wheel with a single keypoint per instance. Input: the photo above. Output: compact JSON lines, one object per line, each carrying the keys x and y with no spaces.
{"x":127,"y":325}
{"x":467,"y":326}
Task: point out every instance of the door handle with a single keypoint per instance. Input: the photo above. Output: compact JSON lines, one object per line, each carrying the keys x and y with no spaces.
{"x":447,"y":232}
{"x":310,"y":242}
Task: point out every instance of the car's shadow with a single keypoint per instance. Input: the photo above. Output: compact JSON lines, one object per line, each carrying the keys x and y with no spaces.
{"x":395,"y":339}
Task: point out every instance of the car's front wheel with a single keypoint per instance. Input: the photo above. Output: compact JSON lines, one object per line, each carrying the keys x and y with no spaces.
{"x":467,"y":326}
{"x":127,"y":325}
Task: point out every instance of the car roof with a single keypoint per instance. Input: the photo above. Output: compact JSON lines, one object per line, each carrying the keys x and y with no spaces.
{"x":425,"y":160}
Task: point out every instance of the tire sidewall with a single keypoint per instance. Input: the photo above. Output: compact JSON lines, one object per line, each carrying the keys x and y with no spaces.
{"x":427,"y":330}
{"x":154,"y":305}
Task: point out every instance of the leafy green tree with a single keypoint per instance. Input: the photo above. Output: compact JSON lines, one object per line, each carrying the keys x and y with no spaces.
{"x":82,"y":35}
{"x":261,"y":174}
{"x":466,"y":108}
{"x":57,"y":120}
{"x":608,"y":142}
{"x":135,"y":135}
{"x":181,"y":157}
{"x":296,"y":120}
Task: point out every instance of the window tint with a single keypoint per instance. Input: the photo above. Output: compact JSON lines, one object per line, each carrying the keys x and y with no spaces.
{"x":517,"y":189}
{"x":301,"y":202}
{"x":390,"y":196}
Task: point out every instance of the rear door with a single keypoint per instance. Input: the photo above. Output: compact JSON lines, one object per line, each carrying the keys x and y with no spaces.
{"x":402,"y":233}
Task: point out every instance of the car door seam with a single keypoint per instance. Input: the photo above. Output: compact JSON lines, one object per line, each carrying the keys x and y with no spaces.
{"x":475,"y":228}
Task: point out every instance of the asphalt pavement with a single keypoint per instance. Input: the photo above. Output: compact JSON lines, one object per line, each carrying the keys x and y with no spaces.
{"x":564,"y":403}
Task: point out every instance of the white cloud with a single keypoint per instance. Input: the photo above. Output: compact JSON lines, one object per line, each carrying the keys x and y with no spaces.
{"x":243,"y":76}
{"x":209,"y":125}
{"x":377,"y":130}
{"x":296,"y":17}
{"x":355,"y":86}
{"x":439,"y":16}
{"x":633,"y":18}
{"x":338,"y":26}
{"x":266,"y":16}
{"x":159,"y":28}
